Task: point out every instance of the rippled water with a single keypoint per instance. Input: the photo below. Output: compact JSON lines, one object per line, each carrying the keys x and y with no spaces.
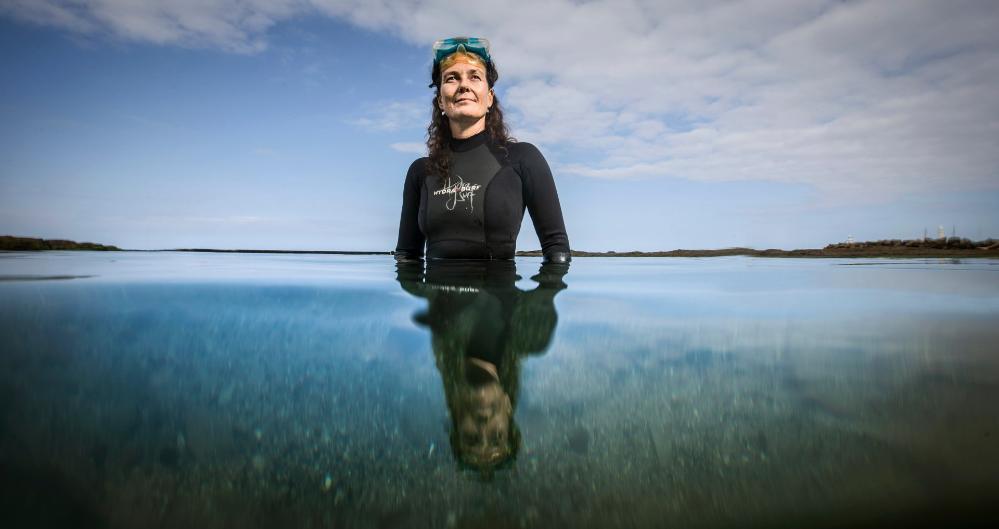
{"x":203,"y":390}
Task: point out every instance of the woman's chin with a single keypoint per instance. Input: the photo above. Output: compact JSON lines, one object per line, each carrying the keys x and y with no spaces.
{"x":466,"y":117}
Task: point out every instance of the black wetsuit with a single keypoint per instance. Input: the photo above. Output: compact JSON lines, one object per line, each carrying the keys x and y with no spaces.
{"x":476,"y":212}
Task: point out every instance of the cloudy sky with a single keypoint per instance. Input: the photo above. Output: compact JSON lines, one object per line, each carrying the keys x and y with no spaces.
{"x":289,"y":124}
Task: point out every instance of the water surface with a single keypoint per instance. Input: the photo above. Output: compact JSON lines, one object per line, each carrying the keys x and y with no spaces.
{"x":204,"y":390}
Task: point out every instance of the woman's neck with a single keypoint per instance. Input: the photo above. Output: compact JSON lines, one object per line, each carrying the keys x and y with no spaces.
{"x":461,"y":130}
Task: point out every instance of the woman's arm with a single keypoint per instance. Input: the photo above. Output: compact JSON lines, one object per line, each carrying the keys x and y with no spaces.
{"x":542,"y":202}
{"x":411,"y":239}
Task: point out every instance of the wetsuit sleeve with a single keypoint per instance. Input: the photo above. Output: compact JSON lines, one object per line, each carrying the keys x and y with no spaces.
{"x":542,"y":203}
{"x":411,"y":239}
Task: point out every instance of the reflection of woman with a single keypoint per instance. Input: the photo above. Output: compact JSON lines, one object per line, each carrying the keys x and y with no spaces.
{"x":466,"y":200}
{"x":481,"y":326}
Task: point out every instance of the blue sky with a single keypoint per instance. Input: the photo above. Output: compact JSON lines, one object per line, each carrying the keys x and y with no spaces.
{"x":289,"y":124}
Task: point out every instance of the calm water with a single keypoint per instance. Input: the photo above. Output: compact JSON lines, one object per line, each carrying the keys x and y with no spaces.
{"x":207,"y":390}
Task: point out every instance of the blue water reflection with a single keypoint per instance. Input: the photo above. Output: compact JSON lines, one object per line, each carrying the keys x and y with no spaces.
{"x":178,"y":390}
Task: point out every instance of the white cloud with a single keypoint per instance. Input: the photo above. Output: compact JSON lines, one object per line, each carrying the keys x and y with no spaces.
{"x":419,"y":149}
{"x":393,"y":116}
{"x":232,"y":25}
{"x":862,"y":96}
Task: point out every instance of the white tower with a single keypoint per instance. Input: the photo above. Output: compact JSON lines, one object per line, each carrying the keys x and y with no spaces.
{"x":940,"y":232}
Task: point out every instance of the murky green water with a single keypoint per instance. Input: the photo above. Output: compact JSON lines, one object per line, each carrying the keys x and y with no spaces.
{"x":213,"y":390}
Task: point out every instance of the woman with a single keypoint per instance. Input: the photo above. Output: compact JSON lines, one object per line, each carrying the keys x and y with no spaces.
{"x":466,"y":200}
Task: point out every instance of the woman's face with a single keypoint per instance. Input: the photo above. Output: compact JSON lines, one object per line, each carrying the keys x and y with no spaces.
{"x":465,"y":95}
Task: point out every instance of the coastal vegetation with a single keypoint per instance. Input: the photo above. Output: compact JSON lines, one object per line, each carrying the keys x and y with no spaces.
{"x":945,"y":247}
{"x":11,"y":243}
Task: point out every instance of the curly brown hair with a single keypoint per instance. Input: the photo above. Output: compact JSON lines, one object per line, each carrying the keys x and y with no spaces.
{"x":439,"y":131}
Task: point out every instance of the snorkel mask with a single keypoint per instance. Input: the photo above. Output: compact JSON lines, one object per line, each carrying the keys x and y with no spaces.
{"x":462,"y":49}
{"x":445,"y":48}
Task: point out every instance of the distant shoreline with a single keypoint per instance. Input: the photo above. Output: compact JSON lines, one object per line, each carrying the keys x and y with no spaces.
{"x":319,"y":252}
{"x":800,"y":253}
{"x":933,"y":248}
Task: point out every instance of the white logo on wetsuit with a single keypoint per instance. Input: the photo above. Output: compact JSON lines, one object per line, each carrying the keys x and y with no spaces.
{"x":459,"y":192}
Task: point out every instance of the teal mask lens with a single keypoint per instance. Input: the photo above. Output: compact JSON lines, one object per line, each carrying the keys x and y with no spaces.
{"x":445,"y":47}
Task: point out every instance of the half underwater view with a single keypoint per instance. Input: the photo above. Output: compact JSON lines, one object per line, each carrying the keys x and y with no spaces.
{"x":170,"y":389}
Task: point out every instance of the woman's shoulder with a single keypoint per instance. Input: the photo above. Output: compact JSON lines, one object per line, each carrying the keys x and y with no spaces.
{"x":523,"y":150}
{"x":418,"y":164}
{"x":526,"y":156}
{"x":417,"y":169}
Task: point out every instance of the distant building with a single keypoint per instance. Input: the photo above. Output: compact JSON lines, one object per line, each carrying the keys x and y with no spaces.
{"x":940,"y":232}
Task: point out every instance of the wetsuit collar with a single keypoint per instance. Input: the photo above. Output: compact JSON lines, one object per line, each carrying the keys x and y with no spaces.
{"x":469,"y":143}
